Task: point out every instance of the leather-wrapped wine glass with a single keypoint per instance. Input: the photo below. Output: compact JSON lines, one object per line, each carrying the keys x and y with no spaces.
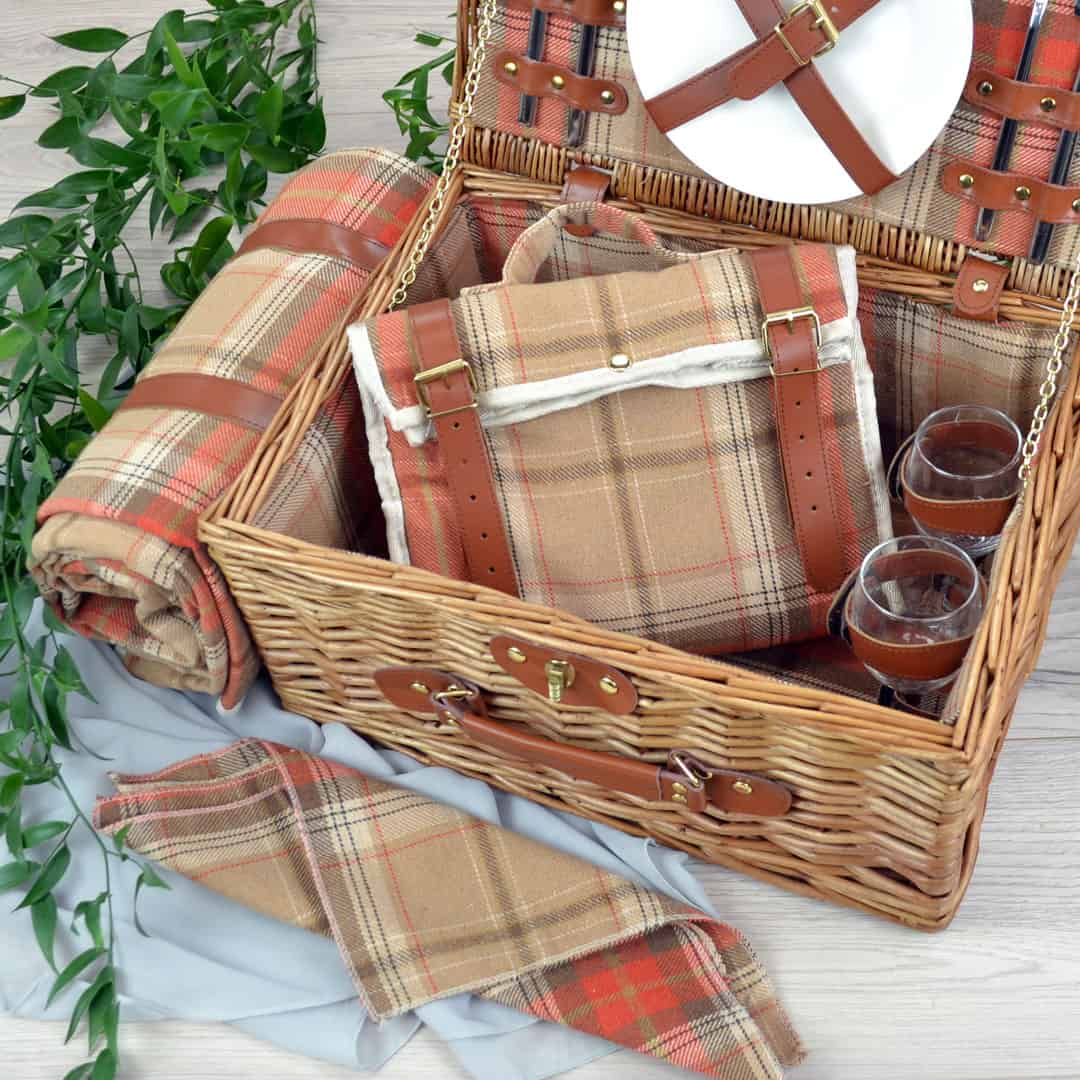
{"x":911,"y":611}
{"x":960,"y":476}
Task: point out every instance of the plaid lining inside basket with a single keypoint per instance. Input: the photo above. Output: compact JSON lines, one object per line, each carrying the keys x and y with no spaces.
{"x":117,"y":555}
{"x":916,"y":202}
{"x":589,"y":486}
{"x":339,"y":853}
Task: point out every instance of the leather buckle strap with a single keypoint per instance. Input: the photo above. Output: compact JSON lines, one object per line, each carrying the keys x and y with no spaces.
{"x":822,"y":22}
{"x":210,"y":395}
{"x":792,"y":337}
{"x":446,"y":384}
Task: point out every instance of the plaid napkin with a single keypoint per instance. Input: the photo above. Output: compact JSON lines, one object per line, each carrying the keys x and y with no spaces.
{"x":425,"y":902}
{"x":117,"y":554}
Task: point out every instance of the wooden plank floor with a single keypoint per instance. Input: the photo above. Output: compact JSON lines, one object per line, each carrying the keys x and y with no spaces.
{"x":996,"y":997}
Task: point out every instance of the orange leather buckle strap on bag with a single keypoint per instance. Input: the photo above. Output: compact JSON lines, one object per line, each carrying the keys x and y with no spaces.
{"x":788,"y":42}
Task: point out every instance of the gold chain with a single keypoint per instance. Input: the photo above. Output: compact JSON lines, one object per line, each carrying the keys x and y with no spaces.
{"x":1048,"y":390}
{"x":452,"y":161}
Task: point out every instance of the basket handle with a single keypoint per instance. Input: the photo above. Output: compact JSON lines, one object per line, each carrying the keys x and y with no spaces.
{"x":683,"y":780}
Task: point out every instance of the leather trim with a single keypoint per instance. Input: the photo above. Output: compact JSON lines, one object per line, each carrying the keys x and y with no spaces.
{"x":316,"y":238}
{"x":1023,"y":101}
{"x":997,"y":191}
{"x":798,"y":421}
{"x":585,"y":184}
{"x":461,"y":439}
{"x":589,"y":12}
{"x":533,"y":78}
{"x":210,"y":395}
{"x":766,"y":62}
{"x":727,"y":791}
{"x":584,"y":692}
{"x":992,"y":277}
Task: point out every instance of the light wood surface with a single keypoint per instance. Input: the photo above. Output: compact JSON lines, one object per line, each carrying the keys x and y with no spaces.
{"x":996,"y":997}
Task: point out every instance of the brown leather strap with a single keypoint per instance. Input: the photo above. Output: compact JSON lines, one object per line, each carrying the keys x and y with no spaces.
{"x":537,"y":78}
{"x":960,"y":517}
{"x":922,"y":662}
{"x":1012,"y":191}
{"x":979,"y":288}
{"x":584,"y":184}
{"x":1027,"y":102}
{"x":207,"y":394}
{"x":683,"y":781}
{"x":764,"y":63}
{"x":451,"y":401}
{"x":793,"y":346}
{"x":589,"y":12}
{"x":316,"y":238}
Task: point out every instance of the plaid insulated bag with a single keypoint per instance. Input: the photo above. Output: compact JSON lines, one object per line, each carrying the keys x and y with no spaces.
{"x":117,"y":554}
{"x":686,"y":451}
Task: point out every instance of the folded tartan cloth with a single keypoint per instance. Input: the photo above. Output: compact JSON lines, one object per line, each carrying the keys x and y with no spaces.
{"x":117,"y":554}
{"x":426,"y":902}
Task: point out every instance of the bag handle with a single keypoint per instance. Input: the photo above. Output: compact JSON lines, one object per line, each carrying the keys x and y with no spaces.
{"x":538,"y":243}
{"x":683,"y":779}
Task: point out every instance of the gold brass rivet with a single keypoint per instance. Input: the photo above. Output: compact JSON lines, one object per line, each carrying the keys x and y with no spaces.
{"x":980,"y":285}
{"x":1023,"y":193}
{"x":558,"y":82}
{"x":420,"y":688}
{"x":679,"y":799}
{"x":609,"y":685}
{"x":619,"y":7}
{"x":986,"y":87}
{"x":607,"y":97}
{"x":510,"y":67}
{"x":967,"y":181}
{"x":1076,"y":206}
{"x":1048,"y":104}
{"x":516,"y":655}
{"x":620,"y":362}
{"x":743,"y":788}
{"x":678,"y":789}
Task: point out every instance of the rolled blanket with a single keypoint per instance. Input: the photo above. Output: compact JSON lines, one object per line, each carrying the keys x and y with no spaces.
{"x":117,"y":555}
{"x":425,"y":902}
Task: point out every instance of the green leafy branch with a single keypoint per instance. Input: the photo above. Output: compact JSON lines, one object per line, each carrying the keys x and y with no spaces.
{"x":410,"y":100}
{"x":185,"y":132}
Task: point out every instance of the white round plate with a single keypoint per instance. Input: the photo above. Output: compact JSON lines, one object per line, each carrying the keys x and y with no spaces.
{"x":898,"y":71}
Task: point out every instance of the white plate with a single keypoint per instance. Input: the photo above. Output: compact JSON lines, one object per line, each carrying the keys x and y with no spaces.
{"x":898,"y":72}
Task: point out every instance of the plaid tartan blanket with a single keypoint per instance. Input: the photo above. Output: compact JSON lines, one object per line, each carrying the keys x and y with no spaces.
{"x":425,"y":902}
{"x":117,"y":555}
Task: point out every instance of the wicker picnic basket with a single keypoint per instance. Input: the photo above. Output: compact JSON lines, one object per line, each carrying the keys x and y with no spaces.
{"x":887,"y":807}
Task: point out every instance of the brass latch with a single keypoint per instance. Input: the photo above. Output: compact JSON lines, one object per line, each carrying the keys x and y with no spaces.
{"x":560,"y":677}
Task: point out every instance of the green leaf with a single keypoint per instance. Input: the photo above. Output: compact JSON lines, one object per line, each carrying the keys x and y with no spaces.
{"x":311,"y":131}
{"x":214,"y":234}
{"x":105,"y":1066}
{"x":46,"y":830}
{"x":60,"y":135}
{"x":149,"y":878}
{"x":120,"y":836}
{"x":220,"y":137}
{"x":134,"y":87}
{"x":67,"y":673}
{"x":14,"y":874}
{"x":97,"y":40}
{"x":90,"y":912}
{"x":43,"y":917}
{"x":269,"y":110}
{"x":13,"y":341}
{"x":71,"y":78}
{"x":51,"y":199}
{"x":96,"y":153}
{"x":91,"y":309}
{"x":104,"y":998}
{"x":96,"y":413}
{"x":73,"y":971}
{"x":433,"y":41}
{"x":276,"y":158}
{"x":11,"y":105}
{"x":176,"y":109}
{"x":81,"y":1072}
{"x":13,"y":832}
{"x":51,"y":873}
{"x":56,"y":712}
{"x":179,"y":61}
{"x":9,"y":789}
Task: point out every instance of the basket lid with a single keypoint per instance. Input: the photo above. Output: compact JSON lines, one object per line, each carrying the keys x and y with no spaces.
{"x":558,"y":87}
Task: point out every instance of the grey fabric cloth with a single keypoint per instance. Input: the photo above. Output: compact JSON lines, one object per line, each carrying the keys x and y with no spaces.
{"x":207,"y":958}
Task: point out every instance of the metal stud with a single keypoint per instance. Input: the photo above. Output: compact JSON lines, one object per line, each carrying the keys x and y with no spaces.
{"x":678,"y":793}
{"x":967,"y":181}
{"x":986,"y":87}
{"x":743,"y":788}
{"x":510,"y":67}
{"x":609,"y":685}
{"x":516,"y":655}
{"x":1076,"y":206}
{"x":619,"y":362}
{"x":619,"y":7}
{"x":607,"y":97}
{"x":1023,"y":193}
{"x":558,"y":82}
{"x":420,"y":688}
{"x":980,"y":285}
{"x":1048,"y":104}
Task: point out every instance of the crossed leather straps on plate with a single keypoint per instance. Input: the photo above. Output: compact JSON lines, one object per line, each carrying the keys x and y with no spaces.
{"x":788,"y":43}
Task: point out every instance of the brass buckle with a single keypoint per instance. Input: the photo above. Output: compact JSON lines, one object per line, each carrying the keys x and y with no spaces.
{"x":789,"y":317}
{"x":823,"y":23}
{"x":444,"y":371}
{"x":696,"y":774}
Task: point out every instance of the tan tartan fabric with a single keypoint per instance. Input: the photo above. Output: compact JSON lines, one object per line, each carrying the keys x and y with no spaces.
{"x":916,"y":201}
{"x":649,"y":501}
{"x":117,"y":554}
{"x":425,"y":902}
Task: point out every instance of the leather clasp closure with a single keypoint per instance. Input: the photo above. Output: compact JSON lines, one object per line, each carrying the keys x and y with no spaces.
{"x":444,"y":371}
{"x":779,"y":318}
{"x":822,"y":22}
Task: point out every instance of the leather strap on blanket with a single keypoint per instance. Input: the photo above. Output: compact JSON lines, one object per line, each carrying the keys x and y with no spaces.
{"x":784,"y":52}
{"x":206,"y":394}
{"x":317,"y":238}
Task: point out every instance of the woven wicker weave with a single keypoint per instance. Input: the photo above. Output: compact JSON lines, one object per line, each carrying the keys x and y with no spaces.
{"x":887,"y":807}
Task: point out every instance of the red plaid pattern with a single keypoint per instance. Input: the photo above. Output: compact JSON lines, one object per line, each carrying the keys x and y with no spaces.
{"x":117,"y":554}
{"x":347,"y":856}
